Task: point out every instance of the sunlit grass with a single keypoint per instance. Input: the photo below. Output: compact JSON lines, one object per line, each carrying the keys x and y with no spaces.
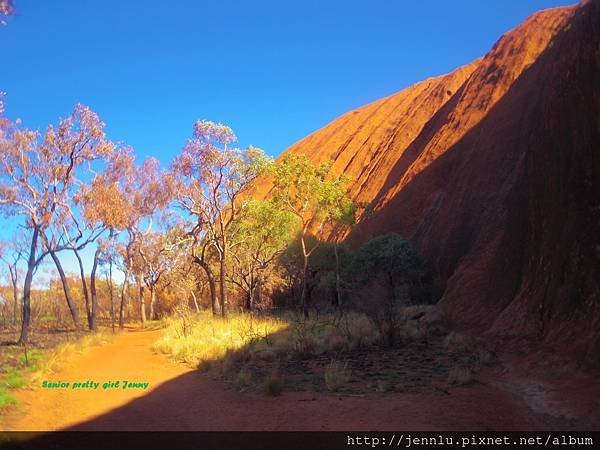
{"x":202,"y":340}
{"x":205,"y":338}
{"x":6,"y":398}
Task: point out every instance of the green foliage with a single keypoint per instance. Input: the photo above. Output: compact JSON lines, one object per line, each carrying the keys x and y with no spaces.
{"x":390,"y":260}
{"x":32,"y":359}
{"x":387,"y":262}
{"x":14,"y":379}
{"x":264,"y":229}
{"x":6,"y":399}
{"x":310,"y":192}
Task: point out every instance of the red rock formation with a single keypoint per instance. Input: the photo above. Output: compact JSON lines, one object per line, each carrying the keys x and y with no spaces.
{"x":493,"y":170}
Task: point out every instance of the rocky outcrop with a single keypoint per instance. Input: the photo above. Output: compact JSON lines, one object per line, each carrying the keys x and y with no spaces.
{"x":493,"y":171}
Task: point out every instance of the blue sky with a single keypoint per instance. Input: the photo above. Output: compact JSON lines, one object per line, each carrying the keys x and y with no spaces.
{"x":273,"y":70}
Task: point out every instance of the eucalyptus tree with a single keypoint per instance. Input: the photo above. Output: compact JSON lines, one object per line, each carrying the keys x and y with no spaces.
{"x":126,"y":199}
{"x":157,"y":254}
{"x":12,"y":254}
{"x":215,"y":181}
{"x":262,"y":233}
{"x":316,"y":197}
{"x":38,"y":179}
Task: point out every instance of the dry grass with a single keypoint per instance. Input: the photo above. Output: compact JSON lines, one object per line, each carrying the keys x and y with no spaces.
{"x":460,"y":376}
{"x":206,"y":341}
{"x":203,"y":339}
{"x":273,"y":384}
{"x":337,"y":375}
{"x":243,"y":379}
{"x":254,"y":351}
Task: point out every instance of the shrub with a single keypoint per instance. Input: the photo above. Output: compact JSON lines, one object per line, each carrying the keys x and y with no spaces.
{"x":458,"y":343}
{"x":243,"y":379}
{"x":486,"y":357}
{"x":386,"y":269}
{"x":273,"y":384}
{"x":14,"y":379}
{"x":6,"y":398}
{"x":460,"y":376}
{"x":337,"y":375}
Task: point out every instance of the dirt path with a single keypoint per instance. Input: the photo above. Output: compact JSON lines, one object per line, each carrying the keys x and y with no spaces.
{"x":178,"y":398}
{"x":128,"y":357}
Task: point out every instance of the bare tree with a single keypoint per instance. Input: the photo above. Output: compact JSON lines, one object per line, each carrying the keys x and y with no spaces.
{"x":12,"y":253}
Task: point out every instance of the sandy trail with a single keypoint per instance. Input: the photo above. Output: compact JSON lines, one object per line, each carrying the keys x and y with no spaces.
{"x":179,"y":398}
{"x":127,"y":357}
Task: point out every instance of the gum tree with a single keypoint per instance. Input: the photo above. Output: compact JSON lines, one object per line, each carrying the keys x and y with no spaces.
{"x":316,"y":197}
{"x":125,"y":199}
{"x":38,"y":179}
{"x":12,"y":253}
{"x":214,"y":176}
{"x":262,"y":234}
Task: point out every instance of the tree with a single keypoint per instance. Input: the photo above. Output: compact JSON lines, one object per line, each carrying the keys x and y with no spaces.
{"x":126,"y":198}
{"x":262,"y":232}
{"x":388,"y":261}
{"x":315,"y":197}
{"x":21,"y":188}
{"x":12,"y":253}
{"x":6,"y":9}
{"x":38,"y":180}
{"x":78,"y":142}
{"x":157,"y":254}
{"x":213,"y":176}
{"x":108,"y":256}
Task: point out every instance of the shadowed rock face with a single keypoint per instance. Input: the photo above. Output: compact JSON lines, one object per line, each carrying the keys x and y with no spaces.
{"x":492,"y":170}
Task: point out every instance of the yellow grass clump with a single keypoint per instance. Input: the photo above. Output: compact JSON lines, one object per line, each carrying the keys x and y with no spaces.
{"x":205,"y":338}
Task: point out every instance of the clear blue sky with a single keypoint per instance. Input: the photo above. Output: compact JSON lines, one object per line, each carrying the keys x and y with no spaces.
{"x":273,"y":70}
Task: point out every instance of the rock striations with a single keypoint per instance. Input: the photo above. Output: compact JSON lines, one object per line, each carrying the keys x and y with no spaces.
{"x":492,"y":171}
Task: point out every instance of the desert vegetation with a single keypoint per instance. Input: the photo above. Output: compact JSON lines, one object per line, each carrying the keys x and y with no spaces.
{"x":189,"y":235}
{"x":330,"y":352}
{"x":245,"y":285}
{"x":376,"y":265}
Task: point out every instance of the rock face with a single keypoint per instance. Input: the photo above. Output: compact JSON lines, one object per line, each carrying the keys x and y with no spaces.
{"x":493,"y":171}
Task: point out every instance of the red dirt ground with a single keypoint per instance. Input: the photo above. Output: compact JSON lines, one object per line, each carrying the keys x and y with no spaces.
{"x":179,"y":398}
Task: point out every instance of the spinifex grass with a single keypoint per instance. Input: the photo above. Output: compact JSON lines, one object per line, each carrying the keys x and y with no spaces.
{"x":205,"y":338}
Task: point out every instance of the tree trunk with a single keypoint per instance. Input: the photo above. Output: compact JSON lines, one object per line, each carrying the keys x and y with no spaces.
{"x":70,"y":302}
{"x":14,"y":280}
{"x":211,"y":285}
{"x":142,"y":304}
{"x":122,"y":305}
{"x":26,"y":316}
{"x":93,"y":291}
{"x":338,"y":288}
{"x":259,"y":283}
{"x":303,"y":303}
{"x":152,"y":302}
{"x":86,"y":295}
{"x":195,"y":301}
{"x":223,"y":287}
{"x":248,"y":302}
{"x":112,"y":296}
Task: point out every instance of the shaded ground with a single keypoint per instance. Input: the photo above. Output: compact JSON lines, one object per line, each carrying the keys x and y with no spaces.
{"x":179,"y":398}
{"x":414,"y":366}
